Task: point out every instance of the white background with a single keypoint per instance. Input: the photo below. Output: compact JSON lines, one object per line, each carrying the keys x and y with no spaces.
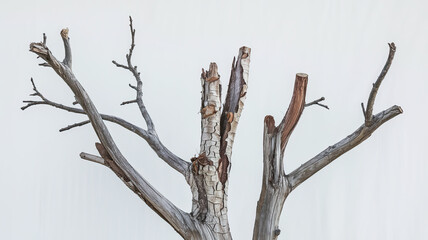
{"x":376,"y":191}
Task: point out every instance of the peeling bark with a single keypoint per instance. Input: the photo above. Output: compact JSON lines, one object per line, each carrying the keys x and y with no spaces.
{"x":207,"y":174}
{"x":232,"y":109}
{"x":217,"y":132}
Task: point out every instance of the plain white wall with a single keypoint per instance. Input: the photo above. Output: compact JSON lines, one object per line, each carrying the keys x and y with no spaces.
{"x":376,"y":191}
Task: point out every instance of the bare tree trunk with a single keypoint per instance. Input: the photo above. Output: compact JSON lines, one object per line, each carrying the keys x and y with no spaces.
{"x":208,"y":173}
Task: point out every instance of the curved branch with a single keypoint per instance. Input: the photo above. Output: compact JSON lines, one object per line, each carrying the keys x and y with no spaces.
{"x":376,"y":85}
{"x":362,"y":133}
{"x":295,"y":109}
{"x":152,"y":139}
{"x":331,"y":153}
{"x":167,"y":210}
{"x":276,"y":185}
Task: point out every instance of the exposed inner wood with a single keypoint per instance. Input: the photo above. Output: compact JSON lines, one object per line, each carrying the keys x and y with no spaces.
{"x":207,"y":174}
{"x":295,"y":109}
{"x":234,"y":94}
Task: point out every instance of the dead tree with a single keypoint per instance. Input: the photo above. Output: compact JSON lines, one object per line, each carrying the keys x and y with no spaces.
{"x":208,"y":173}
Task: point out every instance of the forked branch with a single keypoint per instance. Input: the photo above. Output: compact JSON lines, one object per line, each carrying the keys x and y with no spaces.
{"x":138,"y":88}
{"x":295,"y":109}
{"x":150,"y":136}
{"x":317,"y":102}
{"x":362,"y":133}
{"x":179,"y":220}
{"x":370,"y":102}
{"x":332,"y":152}
{"x":276,"y":184}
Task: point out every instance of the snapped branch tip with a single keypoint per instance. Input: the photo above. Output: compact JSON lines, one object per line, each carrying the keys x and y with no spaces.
{"x":64,"y":33}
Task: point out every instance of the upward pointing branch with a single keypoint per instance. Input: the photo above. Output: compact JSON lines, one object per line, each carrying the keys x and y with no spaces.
{"x":179,"y":220}
{"x":233,"y":106}
{"x":153,"y":140}
{"x":376,"y":85}
{"x":67,"y":59}
{"x":295,"y":109}
{"x":358,"y":136}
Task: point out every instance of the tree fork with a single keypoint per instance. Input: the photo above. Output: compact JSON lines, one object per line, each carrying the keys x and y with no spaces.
{"x":277,"y":185}
{"x":207,"y":174}
{"x":218,"y":128}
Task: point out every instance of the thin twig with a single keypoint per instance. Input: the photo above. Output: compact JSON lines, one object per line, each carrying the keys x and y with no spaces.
{"x":317,"y":102}
{"x":131,"y":127}
{"x":44,"y":39}
{"x":364,"y":110}
{"x":138,"y":88}
{"x":132,"y":38}
{"x":128,"y":102}
{"x":74,"y":125}
{"x":44,"y":64}
{"x":133,"y":87}
{"x":376,"y":85}
{"x":119,"y":65}
{"x":36,"y":91}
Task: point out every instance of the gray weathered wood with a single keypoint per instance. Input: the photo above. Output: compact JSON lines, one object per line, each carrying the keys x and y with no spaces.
{"x":178,"y":219}
{"x":208,"y":173}
{"x":276,"y":184}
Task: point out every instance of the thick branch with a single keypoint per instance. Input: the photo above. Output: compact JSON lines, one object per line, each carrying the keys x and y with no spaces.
{"x":276,"y":185}
{"x":295,"y":109}
{"x":331,"y":153}
{"x":376,"y":85}
{"x":234,"y":103}
{"x":173,"y":215}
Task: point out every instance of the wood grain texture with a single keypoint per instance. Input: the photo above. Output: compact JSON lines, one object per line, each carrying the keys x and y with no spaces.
{"x":178,"y":219}
{"x":208,"y":173}
{"x":276,"y":184}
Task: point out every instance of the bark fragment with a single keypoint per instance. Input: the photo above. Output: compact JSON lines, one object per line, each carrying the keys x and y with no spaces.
{"x":200,"y":160}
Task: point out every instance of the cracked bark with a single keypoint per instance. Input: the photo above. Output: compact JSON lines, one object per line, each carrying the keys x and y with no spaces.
{"x":207,"y":174}
{"x":218,"y":128}
{"x":208,"y":219}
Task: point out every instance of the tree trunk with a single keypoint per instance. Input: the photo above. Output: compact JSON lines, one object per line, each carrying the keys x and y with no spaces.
{"x":208,"y":173}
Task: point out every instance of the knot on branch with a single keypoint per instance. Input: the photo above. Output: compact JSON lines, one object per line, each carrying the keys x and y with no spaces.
{"x":270,"y":124}
{"x":200,"y":160}
{"x":208,"y":111}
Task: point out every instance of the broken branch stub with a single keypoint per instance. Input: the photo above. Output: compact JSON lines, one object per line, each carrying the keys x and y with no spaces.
{"x":295,"y":109}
